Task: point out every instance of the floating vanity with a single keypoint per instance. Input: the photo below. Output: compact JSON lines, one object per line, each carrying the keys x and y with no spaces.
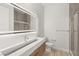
{"x":33,"y":49}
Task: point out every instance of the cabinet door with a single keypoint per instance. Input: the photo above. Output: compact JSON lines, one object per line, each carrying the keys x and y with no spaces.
{"x":40,"y":51}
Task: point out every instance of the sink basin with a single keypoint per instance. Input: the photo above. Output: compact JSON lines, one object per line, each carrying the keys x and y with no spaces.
{"x":16,"y":47}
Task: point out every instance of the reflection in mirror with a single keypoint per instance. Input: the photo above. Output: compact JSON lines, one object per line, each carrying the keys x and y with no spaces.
{"x":21,"y":20}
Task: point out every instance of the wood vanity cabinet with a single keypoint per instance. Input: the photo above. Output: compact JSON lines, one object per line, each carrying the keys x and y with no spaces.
{"x":39,"y":51}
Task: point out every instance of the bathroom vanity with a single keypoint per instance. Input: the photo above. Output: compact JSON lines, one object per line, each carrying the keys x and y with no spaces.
{"x":36,"y":48}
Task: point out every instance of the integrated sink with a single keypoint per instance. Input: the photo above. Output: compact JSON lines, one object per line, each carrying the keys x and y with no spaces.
{"x":16,"y":47}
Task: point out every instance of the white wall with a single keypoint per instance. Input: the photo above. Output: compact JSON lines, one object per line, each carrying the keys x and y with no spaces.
{"x":37,"y":9}
{"x":56,"y":19}
{"x":14,"y":39}
{"x":4,"y":18}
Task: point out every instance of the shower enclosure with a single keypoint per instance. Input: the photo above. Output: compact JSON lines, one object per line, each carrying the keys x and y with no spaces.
{"x":74,"y":29}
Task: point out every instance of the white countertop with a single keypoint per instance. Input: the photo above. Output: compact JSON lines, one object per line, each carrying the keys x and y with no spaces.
{"x":29,"y":49}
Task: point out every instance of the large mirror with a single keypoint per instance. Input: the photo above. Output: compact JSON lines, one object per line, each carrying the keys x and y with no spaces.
{"x":15,"y":19}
